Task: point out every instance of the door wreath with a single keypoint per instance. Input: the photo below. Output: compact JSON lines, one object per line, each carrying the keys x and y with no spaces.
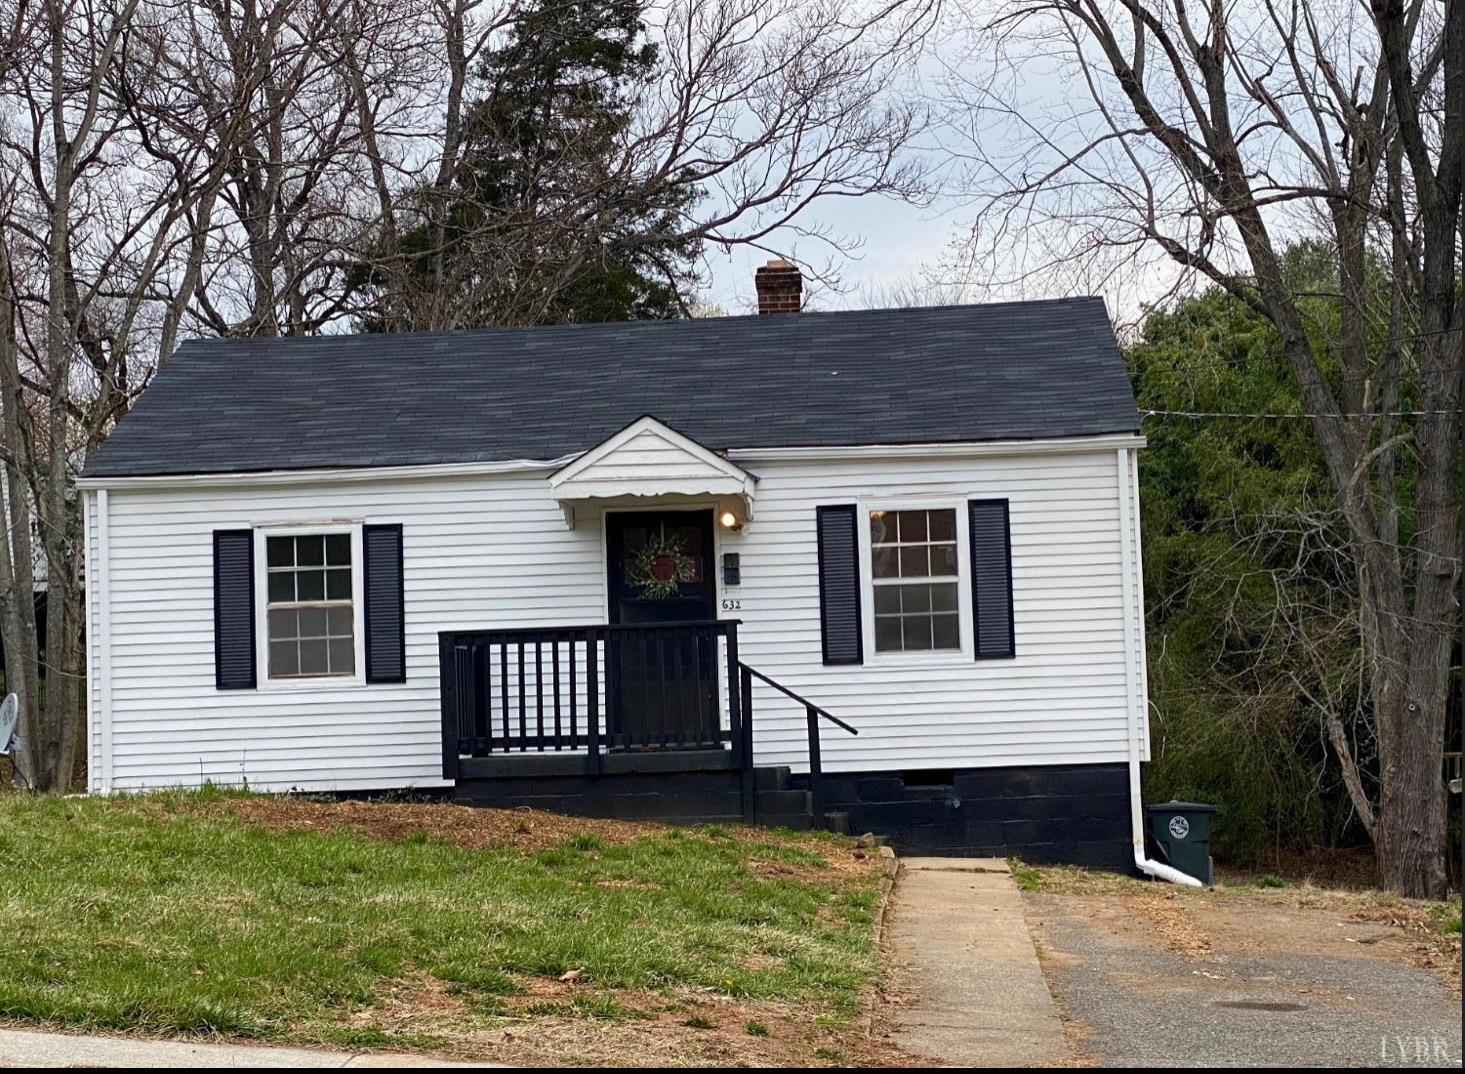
{"x":660,"y":567}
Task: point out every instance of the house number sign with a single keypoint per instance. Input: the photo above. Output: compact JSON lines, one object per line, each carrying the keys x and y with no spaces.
{"x":731,"y":604}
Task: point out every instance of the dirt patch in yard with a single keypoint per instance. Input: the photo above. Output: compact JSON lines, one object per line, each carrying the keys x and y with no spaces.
{"x":460,"y":826}
{"x":553,"y":1022}
{"x":477,"y":828}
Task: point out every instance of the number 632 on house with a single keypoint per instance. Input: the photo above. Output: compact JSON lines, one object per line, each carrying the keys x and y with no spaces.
{"x":732,"y":604}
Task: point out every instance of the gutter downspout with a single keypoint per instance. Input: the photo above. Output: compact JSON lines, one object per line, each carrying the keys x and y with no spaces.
{"x":1134,"y":655}
{"x":1146,"y":865}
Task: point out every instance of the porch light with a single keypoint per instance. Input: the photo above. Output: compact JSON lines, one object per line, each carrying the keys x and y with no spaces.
{"x":729,"y":521}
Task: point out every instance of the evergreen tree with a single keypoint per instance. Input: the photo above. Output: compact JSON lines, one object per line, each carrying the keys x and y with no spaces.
{"x":547,"y":218}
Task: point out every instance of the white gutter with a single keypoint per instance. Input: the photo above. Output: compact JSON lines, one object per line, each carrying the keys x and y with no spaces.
{"x":978,"y":449}
{"x":1066,"y":445}
{"x":1134,"y":670}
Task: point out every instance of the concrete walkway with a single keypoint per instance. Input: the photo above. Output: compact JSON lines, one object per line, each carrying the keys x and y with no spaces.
{"x":961,"y":940}
{"x":21,"y":1048}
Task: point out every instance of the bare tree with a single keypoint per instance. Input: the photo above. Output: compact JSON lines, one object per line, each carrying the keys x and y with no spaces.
{"x":172,"y":168}
{"x":62,"y":227}
{"x":759,"y":109}
{"x":1212,"y":135}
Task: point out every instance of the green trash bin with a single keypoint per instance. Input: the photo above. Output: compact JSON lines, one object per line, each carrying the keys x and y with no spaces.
{"x":1182,"y":831}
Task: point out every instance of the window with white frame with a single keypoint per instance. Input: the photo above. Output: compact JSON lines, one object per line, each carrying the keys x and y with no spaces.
{"x":914,"y":569}
{"x":310,"y":615}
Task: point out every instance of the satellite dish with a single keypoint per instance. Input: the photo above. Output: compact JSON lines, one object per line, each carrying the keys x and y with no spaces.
{"x":9,"y":715}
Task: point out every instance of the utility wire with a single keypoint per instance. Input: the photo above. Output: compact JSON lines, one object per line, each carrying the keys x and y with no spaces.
{"x":1233,"y":414}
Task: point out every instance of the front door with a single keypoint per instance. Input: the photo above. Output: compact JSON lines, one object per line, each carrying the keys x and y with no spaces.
{"x":661,"y":688}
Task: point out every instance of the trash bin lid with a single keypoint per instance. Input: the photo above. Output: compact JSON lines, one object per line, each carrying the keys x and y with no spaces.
{"x":1179,"y":807}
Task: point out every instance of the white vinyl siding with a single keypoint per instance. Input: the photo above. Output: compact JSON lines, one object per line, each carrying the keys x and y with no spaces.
{"x":494,"y":551}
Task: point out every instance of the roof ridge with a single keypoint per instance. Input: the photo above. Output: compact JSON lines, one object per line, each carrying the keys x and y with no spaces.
{"x":772,"y":321}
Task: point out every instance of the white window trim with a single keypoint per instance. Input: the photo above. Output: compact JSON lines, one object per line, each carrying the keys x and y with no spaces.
{"x":926,"y":658}
{"x":262,"y":600}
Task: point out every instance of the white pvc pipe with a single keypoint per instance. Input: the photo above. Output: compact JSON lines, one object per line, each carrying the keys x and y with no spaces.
{"x":1134,"y":675}
{"x":1146,"y":865}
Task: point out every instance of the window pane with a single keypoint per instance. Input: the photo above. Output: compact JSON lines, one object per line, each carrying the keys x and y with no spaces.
{"x":342,"y":655}
{"x":912,"y":526}
{"x":310,"y":551}
{"x":917,"y":631}
{"x":313,"y":658}
{"x":887,"y":634}
{"x":279,"y":551}
{"x":310,"y":585}
{"x":911,"y":546}
{"x":338,"y":549}
{"x":282,"y":586}
{"x":338,"y":584}
{"x":283,"y":659}
{"x":943,"y":597}
{"x":312,"y":622}
{"x":914,"y":562}
{"x":915,"y":598}
{"x":282,"y":624}
{"x":305,"y":641}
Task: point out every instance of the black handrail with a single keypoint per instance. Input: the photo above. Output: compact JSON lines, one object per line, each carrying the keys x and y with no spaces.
{"x":812,"y":714}
{"x":801,"y":700}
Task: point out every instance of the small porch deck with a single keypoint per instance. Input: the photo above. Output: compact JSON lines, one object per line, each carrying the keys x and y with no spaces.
{"x":651,"y":718}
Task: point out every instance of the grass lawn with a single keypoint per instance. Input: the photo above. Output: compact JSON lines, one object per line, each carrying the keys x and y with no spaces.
{"x":431,"y":926}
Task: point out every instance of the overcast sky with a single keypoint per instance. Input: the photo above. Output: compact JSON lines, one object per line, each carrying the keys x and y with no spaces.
{"x":897,"y":241}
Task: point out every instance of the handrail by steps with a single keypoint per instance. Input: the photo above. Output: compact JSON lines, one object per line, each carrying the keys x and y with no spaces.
{"x":801,"y":700}
{"x":812,"y":714}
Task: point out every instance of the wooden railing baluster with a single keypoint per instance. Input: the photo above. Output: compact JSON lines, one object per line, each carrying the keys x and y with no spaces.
{"x":504,"y":690}
{"x":574,"y":729}
{"x":555,"y":660}
{"x":523,"y":728}
{"x":538,"y":690}
{"x":592,"y":689}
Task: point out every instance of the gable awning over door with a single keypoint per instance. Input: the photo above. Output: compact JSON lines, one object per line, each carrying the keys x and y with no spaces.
{"x":648,"y":460}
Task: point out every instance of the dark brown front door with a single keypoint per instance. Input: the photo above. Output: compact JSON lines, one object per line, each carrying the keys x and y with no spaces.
{"x":662,"y":683}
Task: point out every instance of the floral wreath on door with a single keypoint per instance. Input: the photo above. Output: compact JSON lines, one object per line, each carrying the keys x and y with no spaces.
{"x":660,"y":566}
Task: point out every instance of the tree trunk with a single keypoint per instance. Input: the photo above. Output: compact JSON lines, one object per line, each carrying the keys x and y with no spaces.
{"x":1409,"y":839}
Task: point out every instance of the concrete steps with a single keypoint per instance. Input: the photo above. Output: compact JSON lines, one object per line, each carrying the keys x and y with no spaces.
{"x":781,"y":805}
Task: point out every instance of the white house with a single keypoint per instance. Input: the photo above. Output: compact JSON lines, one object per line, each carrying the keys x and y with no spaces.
{"x":631,"y":569}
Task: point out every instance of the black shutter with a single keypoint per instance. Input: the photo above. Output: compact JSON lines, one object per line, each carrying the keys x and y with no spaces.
{"x":234,"y":609}
{"x":386,"y":659}
{"x":991,"y":539}
{"x":839,"y":586}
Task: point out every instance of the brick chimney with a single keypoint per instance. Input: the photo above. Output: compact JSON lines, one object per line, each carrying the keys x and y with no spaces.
{"x":780,"y":287}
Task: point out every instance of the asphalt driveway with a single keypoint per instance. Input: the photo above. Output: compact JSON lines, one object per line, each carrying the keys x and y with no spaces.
{"x":1149,"y":975}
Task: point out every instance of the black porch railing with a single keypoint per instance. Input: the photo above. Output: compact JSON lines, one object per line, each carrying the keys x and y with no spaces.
{"x":621,"y":697}
{"x":600,"y":689}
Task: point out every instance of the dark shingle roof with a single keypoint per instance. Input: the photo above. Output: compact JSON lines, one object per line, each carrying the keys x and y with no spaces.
{"x":945,"y":374}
